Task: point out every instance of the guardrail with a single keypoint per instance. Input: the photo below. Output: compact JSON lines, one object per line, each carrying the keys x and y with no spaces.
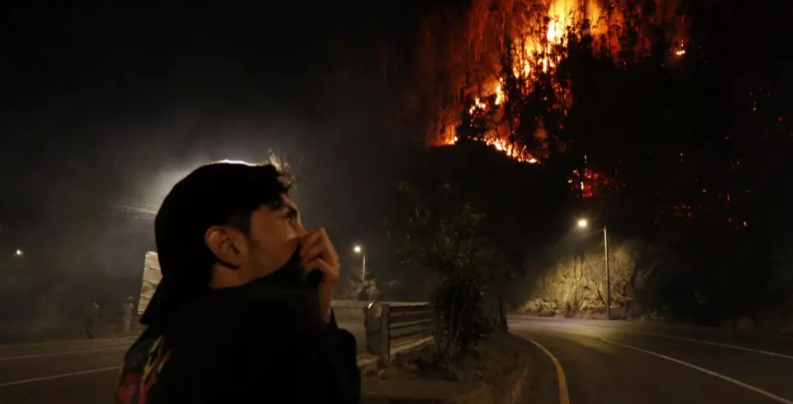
{"x":393,"y":327}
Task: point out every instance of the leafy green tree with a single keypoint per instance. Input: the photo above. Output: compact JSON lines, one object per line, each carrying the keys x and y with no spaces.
{"x":439,"y":235}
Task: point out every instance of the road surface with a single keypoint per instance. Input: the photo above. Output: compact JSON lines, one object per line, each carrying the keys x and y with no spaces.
{"x":621,"y":363}
{"x":614,"y":363}
{"x":74,"y":372}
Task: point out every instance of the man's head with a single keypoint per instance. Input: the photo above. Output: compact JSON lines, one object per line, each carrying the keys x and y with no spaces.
{"x":254,"y":244}
{"x":223,"y":225}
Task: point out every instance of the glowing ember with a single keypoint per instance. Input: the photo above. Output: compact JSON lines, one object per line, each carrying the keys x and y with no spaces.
{"x":591,"y":183}
{"x":499,"y":94}
{"x":477,"y":105}
{"x":681,"y":50}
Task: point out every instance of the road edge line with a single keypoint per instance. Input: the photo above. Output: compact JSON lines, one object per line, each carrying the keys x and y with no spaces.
{"x":719,"y":344}
{"x":44,"y":355}
{"x":45,"y":378}
{"x":564,"y":395}
{"x":703,"y":370}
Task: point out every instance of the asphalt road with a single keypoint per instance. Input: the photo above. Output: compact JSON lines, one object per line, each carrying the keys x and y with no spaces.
{"x":601,"y":362}
{"x":619,"y":362}
{"x":74,"y":372}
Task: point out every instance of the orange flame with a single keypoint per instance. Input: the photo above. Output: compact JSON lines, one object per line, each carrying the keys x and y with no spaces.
{"x":539,"y":43}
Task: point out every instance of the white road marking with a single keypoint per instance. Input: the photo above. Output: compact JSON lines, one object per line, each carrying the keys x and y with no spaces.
{"x":564,"y":396}
{"x":41,"y":379}
{"x":706,"y":371}
{"x":719,"y":344}
{"x":44,"y":355}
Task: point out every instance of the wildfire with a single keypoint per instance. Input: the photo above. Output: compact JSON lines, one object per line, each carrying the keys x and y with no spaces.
{"x":540,"y":50}
{"x":537,"y":34}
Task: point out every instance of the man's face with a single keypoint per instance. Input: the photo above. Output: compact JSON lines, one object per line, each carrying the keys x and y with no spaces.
{"x":274,"y":237}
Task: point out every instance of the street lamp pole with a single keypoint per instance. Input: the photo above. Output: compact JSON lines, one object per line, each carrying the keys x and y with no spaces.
{"x":363,"y":269}
{"x":608,"y":274}
{"x":359,"y":250}
{"x":582,"y":223}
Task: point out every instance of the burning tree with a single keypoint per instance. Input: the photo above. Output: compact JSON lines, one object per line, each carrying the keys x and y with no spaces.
{"x":510,"y":74}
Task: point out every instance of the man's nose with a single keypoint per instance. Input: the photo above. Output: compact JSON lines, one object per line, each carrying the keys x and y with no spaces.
{"x":301,"y":231}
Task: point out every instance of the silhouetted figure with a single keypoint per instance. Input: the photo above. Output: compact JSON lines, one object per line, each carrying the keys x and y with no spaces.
{"x":91,"y":317}
{"x":126,"y":320}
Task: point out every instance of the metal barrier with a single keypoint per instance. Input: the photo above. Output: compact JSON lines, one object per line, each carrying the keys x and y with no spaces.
{"x":396,"y":326}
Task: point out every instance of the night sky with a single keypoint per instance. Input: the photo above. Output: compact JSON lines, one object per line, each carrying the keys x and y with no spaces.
{"x":105,"y":107}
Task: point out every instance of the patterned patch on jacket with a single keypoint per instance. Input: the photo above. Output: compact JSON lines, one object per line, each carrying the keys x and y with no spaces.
{"x":142,"y":367}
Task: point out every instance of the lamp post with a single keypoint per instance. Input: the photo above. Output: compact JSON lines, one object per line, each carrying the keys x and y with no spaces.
{"x":359,"y":250}
{"x":583,"y":224}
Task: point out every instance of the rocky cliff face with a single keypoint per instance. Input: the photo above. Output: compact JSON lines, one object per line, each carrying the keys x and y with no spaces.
{"x":576,"y":284}
{"x":642,"y":276}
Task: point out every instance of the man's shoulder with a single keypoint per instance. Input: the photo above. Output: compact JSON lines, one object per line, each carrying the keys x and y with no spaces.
{"x":249,"y":310}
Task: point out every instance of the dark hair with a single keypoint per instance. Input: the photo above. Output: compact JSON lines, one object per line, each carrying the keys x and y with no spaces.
{"x":277,"y":183}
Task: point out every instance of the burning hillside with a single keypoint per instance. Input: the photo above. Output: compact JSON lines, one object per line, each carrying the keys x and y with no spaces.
{"x":508,"y":83}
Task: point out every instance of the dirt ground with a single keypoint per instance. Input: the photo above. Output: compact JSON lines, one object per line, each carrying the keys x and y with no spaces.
{"x":496,"y":361}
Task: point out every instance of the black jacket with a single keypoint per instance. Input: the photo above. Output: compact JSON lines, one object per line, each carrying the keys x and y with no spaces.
{"x":251,"y":344}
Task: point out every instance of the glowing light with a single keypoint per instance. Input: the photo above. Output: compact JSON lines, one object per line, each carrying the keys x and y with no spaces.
{"x":18,"y":252}
{"x":582,"y":223}
{"x":233,"y":162}
{"x":532,"y":161}
{"x":681,"y":51}
{"x":357,"y":249}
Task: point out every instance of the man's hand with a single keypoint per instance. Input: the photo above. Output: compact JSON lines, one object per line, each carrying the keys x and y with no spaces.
{"x":317,"y":253}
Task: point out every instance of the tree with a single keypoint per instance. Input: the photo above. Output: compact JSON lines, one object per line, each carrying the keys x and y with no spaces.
{"x":438,"y":234}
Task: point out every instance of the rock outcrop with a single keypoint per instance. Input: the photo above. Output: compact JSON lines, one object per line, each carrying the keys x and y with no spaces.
{"x":576,"y":285}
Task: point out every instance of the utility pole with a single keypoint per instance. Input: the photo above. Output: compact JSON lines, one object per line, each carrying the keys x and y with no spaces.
{"x":583,"y":224}
{"x":363,"y":269}
{"x":608,"y":274}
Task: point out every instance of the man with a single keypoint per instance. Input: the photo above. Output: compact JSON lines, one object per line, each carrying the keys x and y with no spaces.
{"x":91,"y":317}
{"x":242,"y":313}
{"x":126,"y":320}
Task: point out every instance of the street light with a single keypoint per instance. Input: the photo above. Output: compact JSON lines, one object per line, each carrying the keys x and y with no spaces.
{"x":359,"y":250}
{"x":582,"y":223}
{"x":18,"y":252}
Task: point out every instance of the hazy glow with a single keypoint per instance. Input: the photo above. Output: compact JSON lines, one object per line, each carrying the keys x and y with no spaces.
{"x":582,"y":223}
{"x":233,"y":162}
{"x":357,"y":249}
{"x":18,"y":252}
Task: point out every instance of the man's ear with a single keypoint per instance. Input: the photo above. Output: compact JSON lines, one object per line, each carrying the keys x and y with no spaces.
{"x":225,"y":246}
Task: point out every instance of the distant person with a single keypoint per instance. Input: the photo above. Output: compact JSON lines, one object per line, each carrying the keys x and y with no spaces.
{"x":91,"y":318}
{"x":242,"y":313}
{"x":126,"y":320}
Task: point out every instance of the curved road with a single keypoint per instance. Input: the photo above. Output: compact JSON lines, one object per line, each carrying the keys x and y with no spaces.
{"x":620,"y":362}
{"x":601,"y":362}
